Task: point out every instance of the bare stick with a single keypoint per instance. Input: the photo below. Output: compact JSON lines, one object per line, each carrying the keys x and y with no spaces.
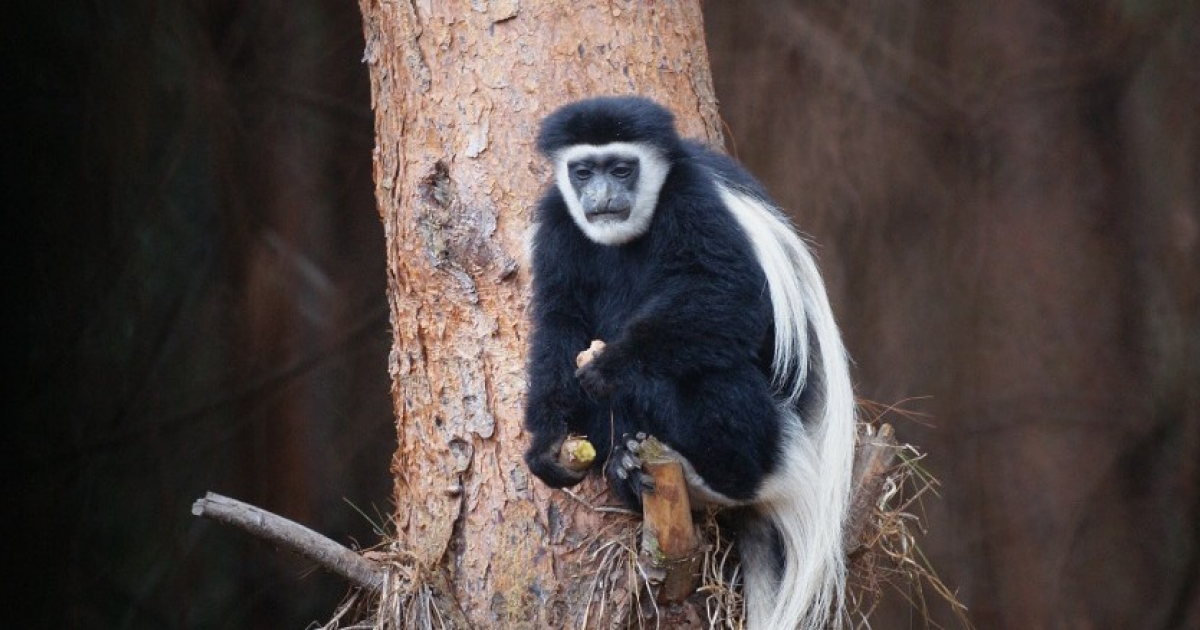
{"x":872,"y":462}
{"x":293,"y":537}
{"x":670,"y":545}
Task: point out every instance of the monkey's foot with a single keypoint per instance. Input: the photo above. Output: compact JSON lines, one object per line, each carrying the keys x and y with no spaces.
{"x":625,"y":473}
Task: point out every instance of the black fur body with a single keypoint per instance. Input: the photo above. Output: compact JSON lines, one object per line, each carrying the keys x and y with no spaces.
{"x":686,"y":316}
{"x":720,"y":342}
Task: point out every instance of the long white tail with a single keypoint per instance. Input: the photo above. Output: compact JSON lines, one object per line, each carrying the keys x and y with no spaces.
{"x":803,"y":504}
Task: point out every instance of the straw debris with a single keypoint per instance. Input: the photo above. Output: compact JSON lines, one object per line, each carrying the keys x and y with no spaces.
{"x":617,"y":592}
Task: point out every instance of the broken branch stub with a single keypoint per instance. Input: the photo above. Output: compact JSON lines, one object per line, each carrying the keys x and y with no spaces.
{"x":671,"y":549}
{"x":872,"y":462}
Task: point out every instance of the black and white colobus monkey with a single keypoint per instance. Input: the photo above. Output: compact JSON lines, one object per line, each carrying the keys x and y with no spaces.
{"x":720,"y":343}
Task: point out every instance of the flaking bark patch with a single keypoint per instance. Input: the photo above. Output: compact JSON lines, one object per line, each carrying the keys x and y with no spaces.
{"x":457,"y":235}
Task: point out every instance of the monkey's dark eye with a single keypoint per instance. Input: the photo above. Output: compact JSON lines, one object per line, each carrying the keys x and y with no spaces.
{"x":622,"y":171}
{"x":581,"y":172}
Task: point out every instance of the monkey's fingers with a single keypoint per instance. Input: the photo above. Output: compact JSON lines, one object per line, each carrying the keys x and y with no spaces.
{"x":585,"y":357}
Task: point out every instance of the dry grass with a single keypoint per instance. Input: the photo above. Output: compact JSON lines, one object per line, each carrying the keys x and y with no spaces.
{"x":721,"y":580}
{"x":890,"y":558}
{"x":616,"y":591}
{"x":607,"y":563}
{"x":612,"y":560}
{"x":409,"y":600}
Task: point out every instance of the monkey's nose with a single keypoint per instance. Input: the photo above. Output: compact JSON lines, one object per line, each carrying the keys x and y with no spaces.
{"x":609,"y":209}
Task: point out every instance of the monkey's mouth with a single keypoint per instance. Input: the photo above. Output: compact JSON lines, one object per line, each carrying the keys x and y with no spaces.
{"x":607,"y":216}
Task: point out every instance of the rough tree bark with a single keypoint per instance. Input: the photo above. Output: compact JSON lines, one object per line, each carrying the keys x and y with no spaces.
{"x":458,"y":89}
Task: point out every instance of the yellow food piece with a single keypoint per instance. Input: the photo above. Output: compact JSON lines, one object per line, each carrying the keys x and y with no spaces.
{"x":577,"y":453}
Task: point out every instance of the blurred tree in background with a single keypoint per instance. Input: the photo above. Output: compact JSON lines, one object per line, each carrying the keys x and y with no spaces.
{"x":1005,"y":198}
{"x":198,"y":266}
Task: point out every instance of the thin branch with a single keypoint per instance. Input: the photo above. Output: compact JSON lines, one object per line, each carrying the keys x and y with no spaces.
{"x":292,"y":536}
{"x":671,"y":550}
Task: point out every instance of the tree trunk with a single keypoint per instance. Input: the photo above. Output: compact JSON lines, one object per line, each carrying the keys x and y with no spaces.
{"x":458,"y":90}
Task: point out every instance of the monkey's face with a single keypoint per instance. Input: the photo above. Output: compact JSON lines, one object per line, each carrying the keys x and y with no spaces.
{"x":605,"y":187}
{"x":611,"y":190}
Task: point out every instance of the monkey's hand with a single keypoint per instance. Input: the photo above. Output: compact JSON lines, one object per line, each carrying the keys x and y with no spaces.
{"x":592,"y":373}
{"x":595,"y":381}
{"x":583,"y":358}
{"x":624,"y":471}
{"x":545,"y":462}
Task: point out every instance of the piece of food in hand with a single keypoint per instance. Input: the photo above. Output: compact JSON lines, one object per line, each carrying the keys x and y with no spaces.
{"x":585,"y":357}
{"x":577,"y":453}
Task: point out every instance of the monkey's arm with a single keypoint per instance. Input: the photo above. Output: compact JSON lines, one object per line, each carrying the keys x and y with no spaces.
{"x":556,"y":405}
{"x":700,"y":322}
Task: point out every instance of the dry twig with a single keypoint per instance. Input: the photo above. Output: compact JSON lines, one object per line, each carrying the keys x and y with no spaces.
{"x":292,"y":536}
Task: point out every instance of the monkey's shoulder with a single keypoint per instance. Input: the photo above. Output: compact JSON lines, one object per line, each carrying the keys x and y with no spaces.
{"x":721,"y":169}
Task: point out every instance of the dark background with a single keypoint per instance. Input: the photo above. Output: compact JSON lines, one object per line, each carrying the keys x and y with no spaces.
{"x":199,"y":268}
{"x":1005,"y":200}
